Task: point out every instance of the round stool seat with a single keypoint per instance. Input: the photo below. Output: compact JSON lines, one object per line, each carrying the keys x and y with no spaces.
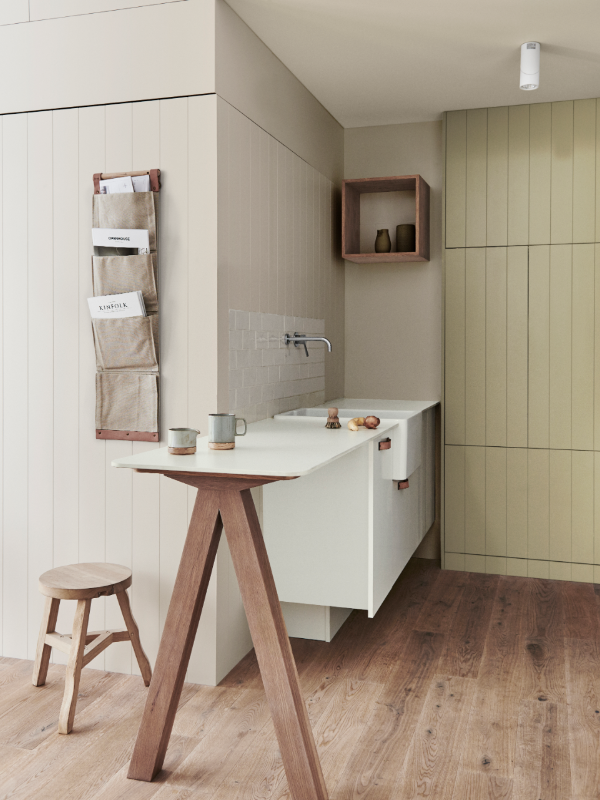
{"x":85,"y":581}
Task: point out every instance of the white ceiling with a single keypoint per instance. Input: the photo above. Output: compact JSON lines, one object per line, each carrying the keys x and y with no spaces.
{"x":380,"y":62}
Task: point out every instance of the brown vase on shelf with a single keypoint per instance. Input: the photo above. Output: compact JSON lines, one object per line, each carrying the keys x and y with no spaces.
{"x":406,"y":239}
{"x":383,"y":242}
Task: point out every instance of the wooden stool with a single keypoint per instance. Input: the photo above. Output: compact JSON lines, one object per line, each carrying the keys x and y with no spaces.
{"x":83,"y":582}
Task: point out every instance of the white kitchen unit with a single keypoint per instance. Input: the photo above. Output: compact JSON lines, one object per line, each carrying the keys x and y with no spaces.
{"x":339,"y":538}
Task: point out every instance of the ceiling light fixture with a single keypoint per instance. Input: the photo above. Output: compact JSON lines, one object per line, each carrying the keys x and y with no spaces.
{"x":530,"y":66}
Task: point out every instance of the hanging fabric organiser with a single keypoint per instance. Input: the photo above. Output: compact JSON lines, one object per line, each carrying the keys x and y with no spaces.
{"x":127,"y":347}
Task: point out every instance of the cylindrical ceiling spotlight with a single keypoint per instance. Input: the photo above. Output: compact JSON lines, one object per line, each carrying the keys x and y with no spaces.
{"x":530,"y":66}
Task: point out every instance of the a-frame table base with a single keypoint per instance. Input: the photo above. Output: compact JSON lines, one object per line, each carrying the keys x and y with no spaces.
{"x":225,"y":501}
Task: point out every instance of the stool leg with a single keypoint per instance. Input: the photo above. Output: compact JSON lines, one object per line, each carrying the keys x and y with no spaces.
{"x":69,"y":703}
{"x":134,"y":635}
{"x":42,"y":654}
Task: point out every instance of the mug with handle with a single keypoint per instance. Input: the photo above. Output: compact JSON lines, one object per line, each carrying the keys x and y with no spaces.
{"x":222,"y":430}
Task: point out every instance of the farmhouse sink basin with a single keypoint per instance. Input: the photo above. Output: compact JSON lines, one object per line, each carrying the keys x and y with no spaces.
{"x":406,"y":437}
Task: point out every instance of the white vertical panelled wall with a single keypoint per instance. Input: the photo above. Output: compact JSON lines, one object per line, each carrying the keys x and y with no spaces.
{"x":62,"y":501}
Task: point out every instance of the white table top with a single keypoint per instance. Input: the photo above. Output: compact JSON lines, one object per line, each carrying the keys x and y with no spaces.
{"x":273,"y":447}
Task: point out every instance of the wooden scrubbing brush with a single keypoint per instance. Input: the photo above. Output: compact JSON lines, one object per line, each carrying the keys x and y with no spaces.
{"x":333,"y":421}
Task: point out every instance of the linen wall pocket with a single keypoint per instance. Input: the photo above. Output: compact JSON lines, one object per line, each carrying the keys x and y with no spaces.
{"x":126,"y":211}
{"x":126,"y":401}
{"x":130,"y":343}
{"x":116,"y":274}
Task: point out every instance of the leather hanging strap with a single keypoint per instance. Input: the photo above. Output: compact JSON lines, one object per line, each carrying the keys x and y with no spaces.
{"x":97,"y":178}
{"x":155,"y":180}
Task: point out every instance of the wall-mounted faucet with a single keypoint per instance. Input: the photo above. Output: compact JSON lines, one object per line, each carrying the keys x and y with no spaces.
{"x":300,"y":340}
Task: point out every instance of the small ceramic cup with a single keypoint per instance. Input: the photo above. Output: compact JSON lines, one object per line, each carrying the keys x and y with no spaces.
{"x":222,"y":430}
{"x":182,"y":441}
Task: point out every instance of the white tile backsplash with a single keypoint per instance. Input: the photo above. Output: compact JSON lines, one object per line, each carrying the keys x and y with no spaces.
{"x":265,"y":376}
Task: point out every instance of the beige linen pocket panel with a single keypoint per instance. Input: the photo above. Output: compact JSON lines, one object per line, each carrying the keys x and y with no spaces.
{"x":130,"y":343}
{"x":129,"y":210}
{"x":126,"y":401}
{"x":116,"y":274}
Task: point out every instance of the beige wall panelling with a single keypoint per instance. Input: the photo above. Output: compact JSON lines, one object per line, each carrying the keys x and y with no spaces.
{"x":561,"y":328}
{"x":14,"y":363}
{"x":539,"y":347}
{"x":291,"y":235}
{"x":455,"y":561}
{"x":495,"y":501}
{"x":582,"y":392}
{"x":2,"y":370}
{"x":538,"y":504}
{"x":517,"y":288}
{"x":476,"y":177}
{"x":597,"y":508}
{"x":65,"y":209}
{"x":263,"y":200}
{"x":14,"y":11}
{"x":455,"y":347}
{"x":288,"y":111}
{"x":475,"y":346}
{"x":256,"y":227}
{"x":561,"y":190}
{"x":597,"y":347}
{"x":145,"y":500}
{"x":92,"y":148}
{"x":282,"y":245}
{"x":456,"y":178}
{"x":474,"y":499}
{"x":538,"y":569}
{"x":474,"y":563}
{"x":119,"y":158}
{"x":518,"y":175}
{"x":495,"y":565}
{"x":560,"y":505}
{"x":582,"y":573}
{"x":455,"y":499}
{"x":516,"y":502}
{"x":583,"y":507}
{"x":540,"y":171}
{"x":597,"y":237}
{"x":187,"y":57}
{"x":584,"y":170}
{"x":516,"y":567}
{"x":495,"y":347}
{"x":497,"y":177}
{"x":51,"y":9}
{"x":273,"y":211}
{"x":40,"y":363}
{"x":559,"y":571}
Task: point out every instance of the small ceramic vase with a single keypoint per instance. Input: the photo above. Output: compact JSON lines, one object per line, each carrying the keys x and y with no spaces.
{"x":405,"y":238}
{"x":383,"y":242}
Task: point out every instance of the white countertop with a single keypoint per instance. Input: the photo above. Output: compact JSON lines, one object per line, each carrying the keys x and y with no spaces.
{"x":273,"y":447}
{"x":380,"y":405}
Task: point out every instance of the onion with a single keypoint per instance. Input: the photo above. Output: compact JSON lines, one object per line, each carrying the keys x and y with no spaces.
{"x":372,"y":422}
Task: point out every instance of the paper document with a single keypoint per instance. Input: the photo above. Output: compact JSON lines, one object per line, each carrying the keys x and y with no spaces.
{"x":116,"y":185}
{"x":141,"y":183}
{"x":113,"y":306}
{"x":116,"y":237}
{"x":128,"y":183}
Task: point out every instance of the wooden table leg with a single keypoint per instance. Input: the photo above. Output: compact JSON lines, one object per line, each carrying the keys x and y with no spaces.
{"x":272,"y":644}
{"x":181,"y":624}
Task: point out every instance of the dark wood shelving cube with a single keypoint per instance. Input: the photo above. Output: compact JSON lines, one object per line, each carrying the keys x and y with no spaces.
{"x":351,"y":192}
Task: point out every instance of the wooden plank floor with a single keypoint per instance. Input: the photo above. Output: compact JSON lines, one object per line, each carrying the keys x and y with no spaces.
{"x":463,"y":687}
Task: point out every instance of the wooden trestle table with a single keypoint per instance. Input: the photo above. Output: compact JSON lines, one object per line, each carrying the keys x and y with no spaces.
{"x":273,"y":450}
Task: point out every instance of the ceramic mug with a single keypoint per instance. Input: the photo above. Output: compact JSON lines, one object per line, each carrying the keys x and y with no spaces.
{"x":222,"y":430}
{"x":182,"y":441}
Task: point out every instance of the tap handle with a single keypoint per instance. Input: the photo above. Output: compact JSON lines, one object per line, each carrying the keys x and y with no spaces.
{"x":305,"y":348}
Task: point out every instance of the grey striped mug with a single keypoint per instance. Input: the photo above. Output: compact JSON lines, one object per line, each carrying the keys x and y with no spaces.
{"x":222,"y":430}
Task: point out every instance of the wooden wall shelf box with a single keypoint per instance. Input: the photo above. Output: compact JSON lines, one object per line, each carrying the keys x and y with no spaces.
{"x":351,"y":192}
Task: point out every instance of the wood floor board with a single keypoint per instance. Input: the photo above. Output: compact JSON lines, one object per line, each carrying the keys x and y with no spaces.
{"x":583,"y":690}
{"x":467,"y":637}
{"x":398,"y":710}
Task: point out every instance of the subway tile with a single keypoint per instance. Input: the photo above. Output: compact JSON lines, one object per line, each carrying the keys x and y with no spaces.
{"x":290,"y":372}
{"x":249,"y":340}
{"x":273,"y":374}
{"x":231,"y":319}
{"x":236,"y":378}
{"x":232,"y":400}
{"x":316,"y":369}
{"x":272,"y":322}
{"x":276,"y":341}
{"x":289,"y":324}
{"x":262,"y":340}
{"x":255,"y":394}
{"x":235,"y":340}
{"x":242,"y":320}
{"x":262,"y":411}
{"x":303,"y":370}
{"x":274,"y":407}
{"x":255,"y":358}
{"x":268,"y":392}
{"x":249,"y":376}
{"x":232,"y":359}
{"x":243,"y":358}
{"x":254,"y":321}
{"x":242,"y":397}
{"x":262,"y":374}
